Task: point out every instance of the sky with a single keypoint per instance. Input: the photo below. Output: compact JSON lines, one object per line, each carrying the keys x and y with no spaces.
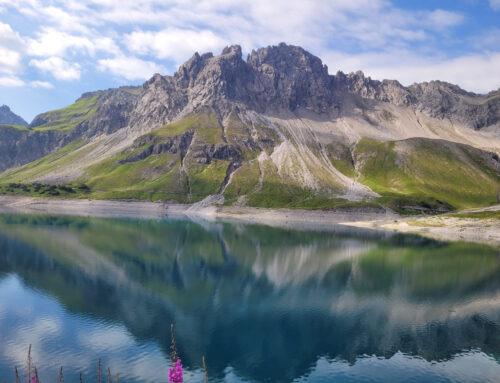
{"x":54,"y":50}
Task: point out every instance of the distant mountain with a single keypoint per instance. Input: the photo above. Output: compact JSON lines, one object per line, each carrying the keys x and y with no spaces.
{"x":273,"y":130}
{"x":9,"y":117}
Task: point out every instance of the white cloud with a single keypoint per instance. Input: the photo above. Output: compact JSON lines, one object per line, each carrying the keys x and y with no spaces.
{"x":11,"y":81}
{"x":41,"y":84}
{"x":106,"y":45}
{"x":52,"y":42}
{"x":10,"y":60}
{"x":59,"y":68}
{"x":130,"y":68}
{"x":441,"y":19}
{"x":173,"y":43}
{"x":495,"y":4}
{"x":11,"y":47}
{"x":63,"y":19}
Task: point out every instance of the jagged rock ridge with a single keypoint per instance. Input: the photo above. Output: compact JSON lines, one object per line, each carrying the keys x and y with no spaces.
{"x":272,"y":79}
{"x":286,"y":77}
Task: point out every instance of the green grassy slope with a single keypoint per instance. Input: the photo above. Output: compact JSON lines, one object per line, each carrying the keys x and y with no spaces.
{"x":171,"y":174}
{"x":423,"y":173}
{"x":69,"y":117}
{"x":190,"y":159}
{"x":154,"y":178}
{"x":45,"y":165}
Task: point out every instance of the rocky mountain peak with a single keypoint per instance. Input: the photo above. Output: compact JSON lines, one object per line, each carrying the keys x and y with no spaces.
{"x":291,"y":77}
{"x":7,"y":116}
{"x":275,"y":79}
{"x":287,"y":59}
{"x":232,"y":50}
{"x":187,"y":73}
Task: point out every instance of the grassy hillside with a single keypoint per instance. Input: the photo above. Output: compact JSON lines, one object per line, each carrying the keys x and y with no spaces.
{"x":422,"y":173}
{"x":45,"y":165}
{"x":69,"y":117}
{"x":198,"y":156}
{"x":164,"y":164}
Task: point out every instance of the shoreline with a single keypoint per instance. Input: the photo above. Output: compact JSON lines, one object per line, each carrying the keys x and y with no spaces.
{"x":285,"y":218}
{"x":440,"y":227}
{"x":363,"y":218}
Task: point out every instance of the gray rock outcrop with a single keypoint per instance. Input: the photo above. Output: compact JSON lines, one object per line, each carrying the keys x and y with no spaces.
{"x":7,"y":116}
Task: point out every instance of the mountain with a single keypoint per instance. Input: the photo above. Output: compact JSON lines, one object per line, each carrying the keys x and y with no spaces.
{"x":10,"y":118}
{"x":274,"y":130}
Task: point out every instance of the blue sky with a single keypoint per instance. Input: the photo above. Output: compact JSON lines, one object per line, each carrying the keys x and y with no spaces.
{"x":52,"y":51}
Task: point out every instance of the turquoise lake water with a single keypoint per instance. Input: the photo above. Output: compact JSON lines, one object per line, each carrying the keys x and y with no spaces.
{"x":262,"y":304}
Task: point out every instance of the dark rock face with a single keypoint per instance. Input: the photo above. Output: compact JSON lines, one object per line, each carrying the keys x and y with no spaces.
{"x":442,"y":100}
{"x":177,"y":144}
{"x":113,"y":111}
{"x":9,"y":117}
{"x":390,"y":91}
{"x":20,"y":147}
{"x":149,"y":151}
{"x":206,"y":153}
{"x":289,"y":77}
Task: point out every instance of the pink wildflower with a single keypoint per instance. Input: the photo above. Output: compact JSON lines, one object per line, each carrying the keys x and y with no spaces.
{"x":175,"y":374}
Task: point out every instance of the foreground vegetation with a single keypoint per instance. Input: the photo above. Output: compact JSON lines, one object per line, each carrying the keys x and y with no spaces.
{"x":175,"y":373}
{"x":45,"y":190}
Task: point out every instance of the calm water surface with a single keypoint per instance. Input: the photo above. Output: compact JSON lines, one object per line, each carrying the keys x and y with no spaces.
{"x":262,"y":304}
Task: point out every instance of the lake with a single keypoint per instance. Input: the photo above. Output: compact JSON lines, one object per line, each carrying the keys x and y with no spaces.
{"x":261,"y":304}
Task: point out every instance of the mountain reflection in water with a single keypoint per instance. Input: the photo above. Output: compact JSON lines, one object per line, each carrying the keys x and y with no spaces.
{"x":262,"y":304}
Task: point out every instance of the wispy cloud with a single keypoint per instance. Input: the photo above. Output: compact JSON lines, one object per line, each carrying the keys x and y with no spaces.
{"x":11,"y":48}
{"x":41,"y":84}
{"x":495,"y":4}
{"x":441,"y":19}
{"x":175,"y":44}
{"x":11,"y":81}
{"x":52,"y":42}
{"x":59,"y":68}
